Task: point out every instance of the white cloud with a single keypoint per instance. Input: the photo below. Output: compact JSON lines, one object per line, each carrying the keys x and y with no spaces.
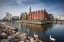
{"x":20,"y":1}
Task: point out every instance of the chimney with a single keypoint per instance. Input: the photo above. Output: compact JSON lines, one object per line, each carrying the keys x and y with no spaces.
{"x":29,"y":9}
{"x":45,"y":10}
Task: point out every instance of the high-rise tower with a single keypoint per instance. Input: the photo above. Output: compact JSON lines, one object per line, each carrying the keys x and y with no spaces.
{"x":29,"y":9}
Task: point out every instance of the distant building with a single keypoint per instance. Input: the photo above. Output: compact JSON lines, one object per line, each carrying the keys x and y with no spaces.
{"x":15,"y":18}
{"x":58,"y":17}
{"x":50,"y":16}
{"x":8,"y":16}
{"x":23,"y":16}
{"x":38,"y":15}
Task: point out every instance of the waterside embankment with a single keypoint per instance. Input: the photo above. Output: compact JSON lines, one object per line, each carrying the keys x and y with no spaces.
{"x":34,"y":21}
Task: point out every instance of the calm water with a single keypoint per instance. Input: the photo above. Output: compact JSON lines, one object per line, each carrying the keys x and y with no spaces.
{"x":43,"y":31}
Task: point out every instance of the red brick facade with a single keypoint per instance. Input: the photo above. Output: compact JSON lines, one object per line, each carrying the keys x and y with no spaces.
{"x":38,"y":15}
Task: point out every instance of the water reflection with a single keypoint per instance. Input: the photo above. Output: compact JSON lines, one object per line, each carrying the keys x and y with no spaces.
{"x":31,"y":27}
{"x":24,"y":27}
{"x":36,"y":28}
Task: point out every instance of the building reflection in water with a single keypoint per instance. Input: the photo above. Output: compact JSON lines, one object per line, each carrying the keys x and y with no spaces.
{"x":34,"y":27}
{"x":37,"y":28}
{"x":30,"y":29}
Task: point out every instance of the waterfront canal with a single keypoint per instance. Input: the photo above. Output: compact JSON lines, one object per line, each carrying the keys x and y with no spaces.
{"x":43,"y":31}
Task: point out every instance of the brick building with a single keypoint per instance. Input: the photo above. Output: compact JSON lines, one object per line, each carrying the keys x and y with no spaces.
{"x":38,"y":15}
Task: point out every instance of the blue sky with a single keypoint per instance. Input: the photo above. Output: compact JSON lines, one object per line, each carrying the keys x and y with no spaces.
{"x":16,"y":7}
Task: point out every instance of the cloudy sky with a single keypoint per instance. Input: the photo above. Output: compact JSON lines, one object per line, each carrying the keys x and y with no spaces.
{"x":16,"y":7}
